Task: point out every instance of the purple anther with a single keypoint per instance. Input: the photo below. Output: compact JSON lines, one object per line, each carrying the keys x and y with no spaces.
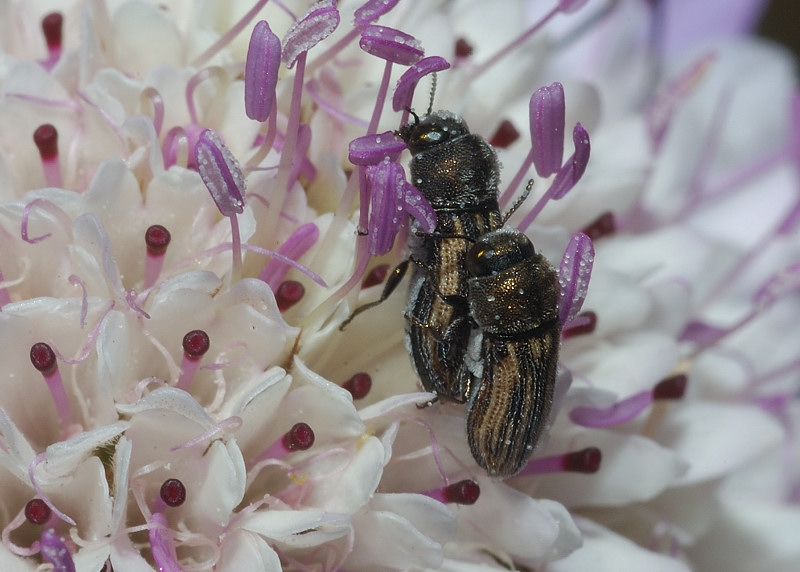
{"x":404,"y":91}
{"x":261,"y":72}
{"x":220,"y":172}
{"x":572,"y":170}
{"x":391,"y":45}
{"x":371,"y":11}
{"x":317,"y":24}
{"x":372,"y":149}
{"x":573,"y":276}
{"x":55,"y":551}
{"x":547,"y":117}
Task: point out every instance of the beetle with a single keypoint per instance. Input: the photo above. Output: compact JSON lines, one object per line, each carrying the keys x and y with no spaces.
{"x":513,"y":295}
{"x":458,"y":172}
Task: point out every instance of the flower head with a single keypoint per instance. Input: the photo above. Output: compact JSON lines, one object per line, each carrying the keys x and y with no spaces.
{"x":165,"y":404}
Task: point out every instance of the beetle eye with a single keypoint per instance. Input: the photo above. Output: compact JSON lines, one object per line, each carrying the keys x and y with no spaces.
{"x":497,"y":251}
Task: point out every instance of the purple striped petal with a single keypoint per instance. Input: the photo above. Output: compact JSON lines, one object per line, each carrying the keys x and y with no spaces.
{"x":391,"y":45}
{"x":547,"y":118}
{"x":261,"y":72}
{"x":574,"y":275}
{"x":220,"y":172}
{"x":317,"y":24}
{"x":372,"y":149}
{"x":372,"y":10}
{"x":404,"y":91}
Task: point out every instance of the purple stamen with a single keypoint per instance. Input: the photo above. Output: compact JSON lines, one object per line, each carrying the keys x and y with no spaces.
{"x":44,"y":360}
{"x":223,"y":178}
{"x":371,"y":11}
{"x":56,"y":552}
{"x":547,"y":119}
{"x":583,"y":324}
{"x":294,"y":247}
{"x":566,"y":177}
{"x":463,"y":49}
{"x":317,"y":24}
{"x":618,"y":413}
{"x":585,"y":461}
{"x":574,"y":275}
{"x":46,"y":139}
{"x":375,"y":276}
{"x":195,"y":345}
{"x":37,"y":511}
{"x":602,"y":226}
{"x":464,"y":492}
{"x":172,"y":492}
{"x":390,"y":196}
{"x":161,"y":544}
{"x":175,"y":148}
{"x":220,"y":172}
{"x":299,"y":438}
{"x":289,"y":293}
{"x":52,"y":29}
{"x":404,"y":90}
{"x":358,"y":385}
{"x":372,"y":149}
{"x":391,"y":45}
{"x":261,"y":72}
{"x":157,"y":239}
{"x":672,"y":387}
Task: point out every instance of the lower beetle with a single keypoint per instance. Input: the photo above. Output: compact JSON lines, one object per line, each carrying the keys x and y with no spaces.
{"x":513,"y":300}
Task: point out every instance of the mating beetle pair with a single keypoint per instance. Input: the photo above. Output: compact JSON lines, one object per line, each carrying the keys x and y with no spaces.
{"x":482,"y":323}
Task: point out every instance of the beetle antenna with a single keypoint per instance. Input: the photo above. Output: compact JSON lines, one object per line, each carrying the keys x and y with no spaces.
{"x":519,"y":201}
{"x":433,"y":93}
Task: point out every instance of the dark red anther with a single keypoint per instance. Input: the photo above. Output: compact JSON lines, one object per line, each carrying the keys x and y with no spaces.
{"x":52,"y":25}
{"x":603,"y":225}
{"x":585,"y":323}
{"x":195,"y":344}
{"x":672,"y":387}
{"x":463,"y":48}
{"x":299,"y":438}
{"x":504,"y":135}
{"x":358,"y":385}
{"x":462,"y":492}
{"x":375,"y":276}
{"x":157,"y":239}
{"x":584,"y":461}
{"x":37,"y":512}
{"x":43,"y":358}
{"x":173,"y":492}
{"x":289,"y":293}
{"x":46,"y":139}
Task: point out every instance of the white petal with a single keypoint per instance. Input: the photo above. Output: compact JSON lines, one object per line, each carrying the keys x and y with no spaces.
{"x":605,"y":551}
{"x":751,"y":535}
{"x":716,"y":439}
{"x":297,"y":528}
{"x":242,"y":550}
{"x":385,"y":539}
